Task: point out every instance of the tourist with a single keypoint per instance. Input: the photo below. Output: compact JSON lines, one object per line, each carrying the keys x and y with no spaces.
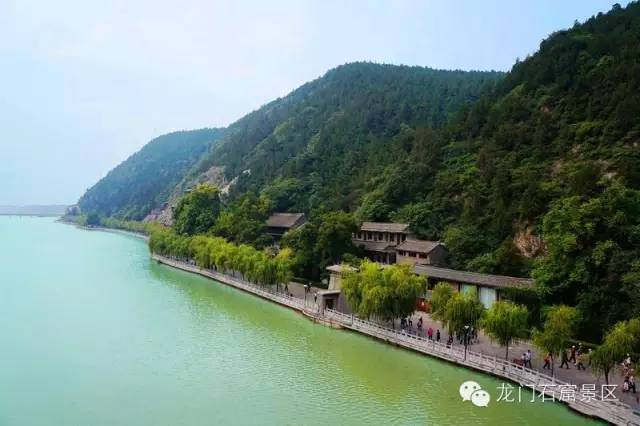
{"x":632,"y":383}
{"x":547,"y":361}
{"x":564,"y":359}
{"x":572,"y":358}
{"x":582,"y":357}
{"x":450,"y":341}
{"x":527,"y":359}
{"x":438,"y":335}
{"x":430,"y":333}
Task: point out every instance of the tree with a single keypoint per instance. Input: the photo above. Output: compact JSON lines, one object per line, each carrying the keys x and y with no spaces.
{"x":618,"y":342}
{"x":440,"y":295}
{"x":505,"y":321}
{"x":334,"y":236}
{"x":197,"y":211}
{"x":461,"y":310}
{"x":386,"y":293}
{"x":592,"y":244}
{"x":557,"y":330}
{"x":93,"y":219}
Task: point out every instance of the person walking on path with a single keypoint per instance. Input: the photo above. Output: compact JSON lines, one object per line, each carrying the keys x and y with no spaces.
{"x":564,"y":359}
{"x":572,"y":358}
{"x":438,"y":335}
{"x":547,"y":362}
{"x":430,"y":333}
{"x":582,"y":360}
{"x":527,"y":359}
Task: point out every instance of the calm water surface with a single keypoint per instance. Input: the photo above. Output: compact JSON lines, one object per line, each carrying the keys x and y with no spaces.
{"x":94,"y":333}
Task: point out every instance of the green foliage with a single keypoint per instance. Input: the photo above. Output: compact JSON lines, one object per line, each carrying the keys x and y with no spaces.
{"x":243,"y":221}
{"x":559,"y":328}
{"x":617,"y":344}
{"x":147,"y":179}
{"x":197,"y":211}
{"x":93,"y":219}
{"x":324,"y":240}
{"x":385,"y":293}
{"x":318,"y":147}
{"x":592,"y":244}
{"x":214,"y":252}
{"x":462,"y":309}
{"x":505,"y":321}
{"x":125,"y":225}
{"x":334,"y":236}
{"x":440,"y":296}
{"x":479,"y":160}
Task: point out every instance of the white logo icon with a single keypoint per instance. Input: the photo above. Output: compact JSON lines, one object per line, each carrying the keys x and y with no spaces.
{"x":471,"y":391}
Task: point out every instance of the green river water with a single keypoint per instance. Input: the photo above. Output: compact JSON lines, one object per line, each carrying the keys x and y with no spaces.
{"x":92,"y":332}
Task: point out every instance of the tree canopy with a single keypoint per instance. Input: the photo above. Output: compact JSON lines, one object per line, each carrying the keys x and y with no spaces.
{"x":198,"y":210}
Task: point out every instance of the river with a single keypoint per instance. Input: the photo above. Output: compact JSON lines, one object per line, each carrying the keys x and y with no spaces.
{"x":95,"y":333}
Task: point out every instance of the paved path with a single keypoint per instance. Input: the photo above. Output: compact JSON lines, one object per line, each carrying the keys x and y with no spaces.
{"x":486,"y":346}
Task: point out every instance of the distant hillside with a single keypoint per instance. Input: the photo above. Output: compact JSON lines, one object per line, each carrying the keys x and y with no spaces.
{"x":146,"y":179}
{"x":34,"y":210}
{"x":328,"y":137}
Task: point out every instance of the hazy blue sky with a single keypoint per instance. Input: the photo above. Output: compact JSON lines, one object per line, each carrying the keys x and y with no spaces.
{"x":84,"y":84}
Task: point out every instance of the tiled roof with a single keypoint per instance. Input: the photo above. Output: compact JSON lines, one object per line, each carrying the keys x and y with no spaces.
{"x":418,"y":246}
{"x":375,"y":245}
{"x":340,"y":268}
{"x":284,"y":220}
{"x":385,"y":227}
{"x":466,"y":277}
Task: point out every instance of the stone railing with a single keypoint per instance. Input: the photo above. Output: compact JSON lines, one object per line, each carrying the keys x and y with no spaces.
{"x":610,"y":410}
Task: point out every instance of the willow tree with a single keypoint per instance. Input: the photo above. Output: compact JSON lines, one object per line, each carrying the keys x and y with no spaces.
{"x":462,"y":310}
{"x":617,"y":343}
{"x":385,"y":293}
{"x":504,"y":322}
{"x":440,"y":295}
{"x":558,"y":328}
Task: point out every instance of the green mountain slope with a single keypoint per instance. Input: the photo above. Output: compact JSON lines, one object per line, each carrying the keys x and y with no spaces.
{"x":146,"y":179}
{"x":327,"y":137}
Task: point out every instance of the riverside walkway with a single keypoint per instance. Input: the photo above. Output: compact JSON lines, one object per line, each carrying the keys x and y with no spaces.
{"x":585,"y":402}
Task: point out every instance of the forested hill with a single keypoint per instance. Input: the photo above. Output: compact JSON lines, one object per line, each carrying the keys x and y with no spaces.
{"x":533,"y":173}
{"x":326,"y":138}
{"x":545,"y":167}
{"x":146,"y":179}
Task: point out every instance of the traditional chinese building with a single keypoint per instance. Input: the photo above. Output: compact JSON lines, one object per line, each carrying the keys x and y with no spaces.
{"x":279,"y":224}
{"x":421,"y":252}
{"x":379,"y":240}
{"x":488,"y":287}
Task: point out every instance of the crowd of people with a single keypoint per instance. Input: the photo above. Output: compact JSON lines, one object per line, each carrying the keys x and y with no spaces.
{"x":576,"y":355}
{"x":627,"y":371}
{"x":407,"y":325}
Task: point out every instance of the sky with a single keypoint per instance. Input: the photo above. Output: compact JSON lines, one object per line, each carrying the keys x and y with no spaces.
{"x":85,"y":84}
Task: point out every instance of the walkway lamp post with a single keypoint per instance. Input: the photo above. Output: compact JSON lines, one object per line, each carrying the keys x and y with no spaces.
{"x":466,"y":340}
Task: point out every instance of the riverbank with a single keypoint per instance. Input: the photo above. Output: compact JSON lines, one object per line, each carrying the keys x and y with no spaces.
{"x":611,"y":411}
{"x":65,"y":221}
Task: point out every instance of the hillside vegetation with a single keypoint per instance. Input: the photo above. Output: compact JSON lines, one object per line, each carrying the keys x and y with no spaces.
{"x":536,"y":172}
{"x":145,"y":180}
